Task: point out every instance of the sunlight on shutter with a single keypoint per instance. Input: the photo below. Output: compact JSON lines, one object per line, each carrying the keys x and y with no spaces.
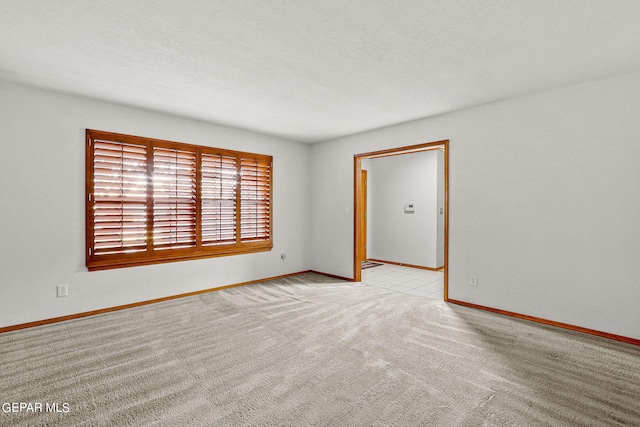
{"x":174,"y":198}
{"x":255,"y":200}
{"x":119,"y":198}
{"x":218,"y":199}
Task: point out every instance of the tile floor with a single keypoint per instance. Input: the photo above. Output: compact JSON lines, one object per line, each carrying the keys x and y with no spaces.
{"x":412,"y":281}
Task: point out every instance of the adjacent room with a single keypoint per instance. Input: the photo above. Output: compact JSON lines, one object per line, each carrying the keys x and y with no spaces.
{"x":320,"y":213}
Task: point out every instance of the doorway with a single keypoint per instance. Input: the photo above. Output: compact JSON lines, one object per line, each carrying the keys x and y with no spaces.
{"x":360,"y":194}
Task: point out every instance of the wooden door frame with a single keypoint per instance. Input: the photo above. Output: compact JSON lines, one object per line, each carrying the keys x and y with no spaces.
{"x":358,"y":200}
{"x":363,"y":211}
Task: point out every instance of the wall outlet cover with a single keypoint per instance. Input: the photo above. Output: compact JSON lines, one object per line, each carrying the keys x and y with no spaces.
{"x":62,"y":291}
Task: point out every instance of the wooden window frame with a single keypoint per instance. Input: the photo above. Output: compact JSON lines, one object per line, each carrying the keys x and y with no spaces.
{"x":251,"y":170}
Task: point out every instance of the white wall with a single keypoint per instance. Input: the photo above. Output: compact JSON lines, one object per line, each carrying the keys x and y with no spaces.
{"x":408,"y":238}
{"x":544,"y":202}
{"x":42,"y":215}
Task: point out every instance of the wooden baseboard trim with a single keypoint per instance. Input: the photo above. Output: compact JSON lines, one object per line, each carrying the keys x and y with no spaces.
{"x":137,"y":304}
{"x":406,"y":265}
{"x":333,"y":276}
{"x":615,"y":337}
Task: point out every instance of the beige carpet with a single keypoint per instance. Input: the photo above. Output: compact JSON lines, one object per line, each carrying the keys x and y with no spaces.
{"x":308,"y":350}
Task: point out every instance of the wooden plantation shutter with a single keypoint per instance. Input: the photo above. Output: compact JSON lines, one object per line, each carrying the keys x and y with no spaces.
{"x":218,"y":199}
{"x":119,"y":223}
{"x":174,"y":198}
{"x":152,"y":201}
{"x":255,"y":200}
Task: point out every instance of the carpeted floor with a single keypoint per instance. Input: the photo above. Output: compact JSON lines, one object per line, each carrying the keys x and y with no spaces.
{"x":308,"y":350}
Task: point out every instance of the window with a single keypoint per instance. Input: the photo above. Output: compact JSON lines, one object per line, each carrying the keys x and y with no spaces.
{"x":151,"y":201}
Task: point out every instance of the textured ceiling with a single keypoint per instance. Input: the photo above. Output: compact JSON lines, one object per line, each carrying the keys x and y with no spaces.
{"x":311,"y":70}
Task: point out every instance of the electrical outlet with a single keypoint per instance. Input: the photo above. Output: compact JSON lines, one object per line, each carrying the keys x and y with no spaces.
{"x":62,"y":291}
{"x":473,"y":280}
{"x":283,"y":256}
